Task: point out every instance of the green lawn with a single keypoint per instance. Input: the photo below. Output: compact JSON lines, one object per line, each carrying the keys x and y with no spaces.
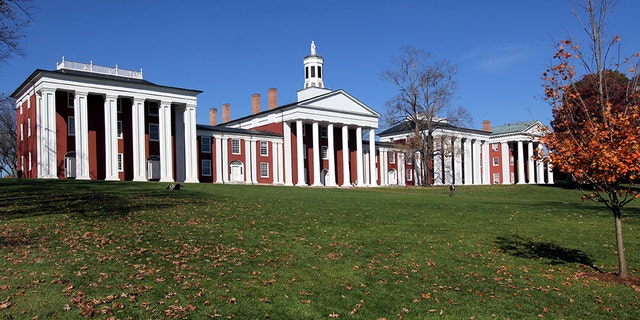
{"x":72,"y":249}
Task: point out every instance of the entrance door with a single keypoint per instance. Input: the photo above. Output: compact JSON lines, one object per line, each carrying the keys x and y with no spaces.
{"x":237,"y":171}
{"x":393,"y":177}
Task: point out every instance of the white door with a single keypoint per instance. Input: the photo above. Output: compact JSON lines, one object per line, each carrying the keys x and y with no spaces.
{"x":237,"y":174}
{"x":393,"y":177}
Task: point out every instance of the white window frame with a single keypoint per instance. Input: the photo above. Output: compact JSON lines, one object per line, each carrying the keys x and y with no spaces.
{"x":21,"y":131}
{"x":511,"y":160}
{"x":205,"y":145}
{"x":71,"y":126}
{"x":392,"y":157}
{"x":119,"y":105}
{"x":494,"y":146}
{"x":70,"y":100}
{"x":324,"y":152}
{"x":264,"y":148}
{"x":409,"y":176}
{"x":30,"y":161}
{"x":264,"y":169}
{"x":119,"y":129}
{"x":28,"y":127}
{"x":235,"y":149}
{"x":495,"y":161}
{"x":304,"y":151}
{"x":205,"y":164}
{"x":157,"y":130}
{"x":496,"y":178}
{"x":120,"y":162}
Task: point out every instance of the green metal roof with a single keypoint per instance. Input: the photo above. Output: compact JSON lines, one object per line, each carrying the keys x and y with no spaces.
{"x":512,"y":127}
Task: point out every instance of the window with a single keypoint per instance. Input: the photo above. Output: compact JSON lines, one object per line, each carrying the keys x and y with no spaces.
{"x":313,"y":71}
{"x":306,"y":72}
{"x":496,"y":161}
{"x":409,"y":160}
{"x":71,"y":126}
{"x":304,"y":129}
{"x":264,"y":169}
{"x":392,"y":157}
{"x":319,"y":72}
{"x":235,"y":146}
{"x":119,"y":129}
{"x":323,"y":132}
{"x":153,"y":108}
{"x":21,"y":131}
{"x":154,"y":134}
{"x":264,"y":148}
{"x":409,"y":174}
{"x":511,"y":161}
{"x":29,"y":160}
{"x":325,"y":151}
{"x":119,"y":105}
{"x":21,"y":107}
{"x":120,"y":162}
{"x":304,"y":150}
{"x":28,"y":127}
{"x":205,"y":144}
{"x":494,"y":146}
{"x":496,"y":178}
{"x":205,"y":169}
{"x":70,"y":100}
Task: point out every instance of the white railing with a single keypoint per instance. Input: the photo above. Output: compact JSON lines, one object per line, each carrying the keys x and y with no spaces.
{"x":98,"y":69}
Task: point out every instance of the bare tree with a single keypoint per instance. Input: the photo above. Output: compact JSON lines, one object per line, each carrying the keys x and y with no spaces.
{"x":15,"y":15}
{"x":8,"y":137}
{"x":425,"y":87}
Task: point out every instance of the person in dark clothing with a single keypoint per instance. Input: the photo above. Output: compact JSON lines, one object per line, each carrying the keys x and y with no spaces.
{"x":452,"y":190}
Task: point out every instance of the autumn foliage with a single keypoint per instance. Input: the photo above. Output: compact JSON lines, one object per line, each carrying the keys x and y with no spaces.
{"x":594,"y":136}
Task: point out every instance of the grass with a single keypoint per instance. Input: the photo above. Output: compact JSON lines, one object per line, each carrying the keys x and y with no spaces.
{"x":74,"y":249}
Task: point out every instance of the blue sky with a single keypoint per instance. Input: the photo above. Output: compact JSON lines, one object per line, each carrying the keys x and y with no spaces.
{"x":233,"y":49}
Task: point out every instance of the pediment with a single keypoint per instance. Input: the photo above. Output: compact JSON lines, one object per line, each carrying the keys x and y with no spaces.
{"x":339,"y":101}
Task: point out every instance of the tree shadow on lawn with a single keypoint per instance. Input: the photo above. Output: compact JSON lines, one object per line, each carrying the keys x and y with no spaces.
{"x":88,"y":199}
{"x":529,"y":249}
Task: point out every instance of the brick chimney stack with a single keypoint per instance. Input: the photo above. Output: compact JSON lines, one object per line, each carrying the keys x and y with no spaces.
{"x":486,"y":125}
{"x":213,"y":116}
{"x":272,"y":97}
{"x":255,"y":103}
{"x":226,"y":112}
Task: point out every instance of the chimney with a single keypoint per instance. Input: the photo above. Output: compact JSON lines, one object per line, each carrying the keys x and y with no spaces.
{"x":272,"y":97}
{"x":486,"y":125}
{"x":255,"y":103}
{"x":213,"y":116}
{"x":226,"y":112}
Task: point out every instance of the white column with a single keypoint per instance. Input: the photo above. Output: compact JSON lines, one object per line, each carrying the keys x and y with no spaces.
{"x":82,"y":136}
{"x":190,"y":143}
{"x":468,"y":162}
{"x":506,"y":165}
{"x":166,"y":151}
{"x":478,"y":165}
{"x":359,"y":161}
{"x":218,"y":158}
{"x":549,"y":173}
{"x":315,"y":173}
{"x":281,"y":164}
{"x":225,"y":160}
{"x":300,"y":154}
{"x":345,"y":157}
{"x":288,"y":155}
{"x":48,"y":140}
{"x":138,"y":140}
{"x":248,"y":161}
{"x":276,"y":165}
{"x":520,"y":162}
{"x":254,"y":162}
{"x":384,"y":175}
{"x":111,"y":138}
{"x":457,"y":160}
{"x":332,"y":157}
{"x":417,"y":170}
{"x":402,"y":178}
{"x":486,"y":163}
{"x":373,"y":180}
{"x":530,"y":164}
{"x":437,"y":174}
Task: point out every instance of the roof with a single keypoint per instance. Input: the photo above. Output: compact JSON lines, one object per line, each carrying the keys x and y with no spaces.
{"x":513,"y":127}
{"x":224,"y":129}
{"x":407,"y":126}
{"x":88,"y":75}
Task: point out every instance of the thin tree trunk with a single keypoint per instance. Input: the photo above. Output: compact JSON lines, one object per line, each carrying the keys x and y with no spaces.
{"x":622,"y":261}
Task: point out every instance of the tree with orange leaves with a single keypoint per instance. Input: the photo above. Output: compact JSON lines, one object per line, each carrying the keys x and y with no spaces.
{"x":594,"y":136}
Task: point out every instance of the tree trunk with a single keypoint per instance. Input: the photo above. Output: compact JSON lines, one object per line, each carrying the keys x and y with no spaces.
{"x":622,"y":261}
